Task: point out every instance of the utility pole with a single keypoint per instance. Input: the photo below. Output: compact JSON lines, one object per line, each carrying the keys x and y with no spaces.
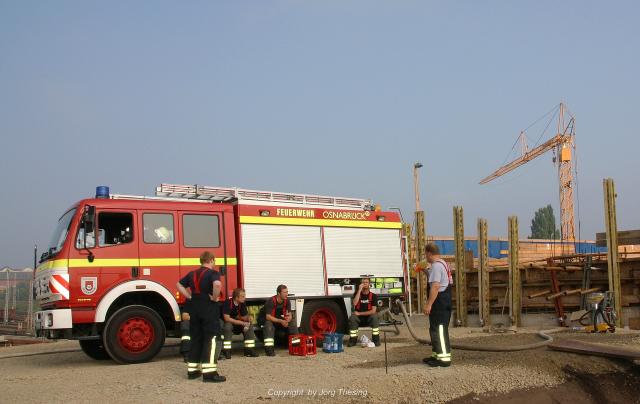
{"x":420,"y":234}
{"x":6,"y":298}
{"x":29,"y":326}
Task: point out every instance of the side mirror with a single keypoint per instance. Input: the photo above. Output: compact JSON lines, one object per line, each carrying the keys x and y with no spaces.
{"x":88,"y":225}
{"x":88,"y":219}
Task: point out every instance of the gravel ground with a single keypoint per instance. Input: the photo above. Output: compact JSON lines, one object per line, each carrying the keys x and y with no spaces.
{"x":349,"y":377}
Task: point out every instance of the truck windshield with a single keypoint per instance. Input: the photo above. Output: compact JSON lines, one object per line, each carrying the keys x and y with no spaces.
{"x":59,"y":234}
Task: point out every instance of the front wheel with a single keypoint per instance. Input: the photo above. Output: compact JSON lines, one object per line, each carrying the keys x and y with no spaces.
{"x":322,"y":316}
{"x":94,"y":348}
{"x":134,"y":334}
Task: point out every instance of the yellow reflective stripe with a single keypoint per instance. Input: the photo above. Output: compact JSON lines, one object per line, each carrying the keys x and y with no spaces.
{"x":104,"y":262}
{"x":159,"y":262}
{"x":441,"y":333}
{"x":132,"y":262}
{"x":219,"y":261}
{"x":319,"y":222}
{"x":53,"y":264}
{"x":212,"y":354}
{"x":185,"y":337}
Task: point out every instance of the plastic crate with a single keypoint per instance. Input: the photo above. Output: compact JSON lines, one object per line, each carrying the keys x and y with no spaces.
{"x":302,"y":345}
{"x":332,"y":343}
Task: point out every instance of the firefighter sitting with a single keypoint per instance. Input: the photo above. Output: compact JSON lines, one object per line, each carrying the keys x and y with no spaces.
{"x":364,"y":313}
{"x":278,"y":319}
{"x":237,"y":321}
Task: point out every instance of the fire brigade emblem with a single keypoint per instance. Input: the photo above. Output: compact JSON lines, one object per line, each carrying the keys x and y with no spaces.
{"x":89,"y":285}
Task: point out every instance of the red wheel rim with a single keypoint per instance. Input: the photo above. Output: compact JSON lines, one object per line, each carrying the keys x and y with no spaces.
{"x":323,"y":321}
{"x":136,"y":334}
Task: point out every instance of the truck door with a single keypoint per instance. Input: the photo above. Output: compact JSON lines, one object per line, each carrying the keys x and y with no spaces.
{"x":158,"y":246}
{"x":114,"y":248}
{"x":201,"y":231}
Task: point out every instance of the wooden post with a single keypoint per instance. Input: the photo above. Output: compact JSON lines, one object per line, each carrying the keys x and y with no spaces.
{"x":411,"y":264}
{"x":420,"y":257}
{"x":515,"y":288}
{"x":484,"y":289}
{"x":460,"y":281}
{"x":612,"y":246}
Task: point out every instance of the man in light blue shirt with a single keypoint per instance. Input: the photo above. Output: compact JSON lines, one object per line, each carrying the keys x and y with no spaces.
{"x":438,"y":308}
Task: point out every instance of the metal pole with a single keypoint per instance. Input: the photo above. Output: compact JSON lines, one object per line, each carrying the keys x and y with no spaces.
{"x":515,"y":287}
{"x":6,"y":299}
{"x":612,"y":246}
{"x":386,"y":361}
{"x":30,"y":294}
{"x":460,"y":281}
{"x":484,"y":291}
{"x":406,"y":253}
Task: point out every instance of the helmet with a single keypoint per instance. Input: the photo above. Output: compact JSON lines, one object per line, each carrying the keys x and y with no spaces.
{"x":163,"y":234}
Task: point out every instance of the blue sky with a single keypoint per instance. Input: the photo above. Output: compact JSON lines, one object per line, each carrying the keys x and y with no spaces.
{"x":328,"y":97}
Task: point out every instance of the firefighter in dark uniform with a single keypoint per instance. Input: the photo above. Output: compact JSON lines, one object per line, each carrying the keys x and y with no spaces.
{"x":364,"y":313}
{"x":202,"y":287}
{"x":278,"y":319}
{"x":237,"y":321}
{"x":438,"y":308}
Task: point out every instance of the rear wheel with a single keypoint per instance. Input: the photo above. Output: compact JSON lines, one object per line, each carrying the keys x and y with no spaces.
{"x":320,"y":317}
{"x":94,"y":348}
{"x":134,"y":334}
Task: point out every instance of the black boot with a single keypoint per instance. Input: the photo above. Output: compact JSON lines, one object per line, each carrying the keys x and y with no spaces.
{"x":353,"y":341}
{"x":270,"y":351}
{"x":250,"y":353}
{"x":194,"y":375}
{"x":213,"y":377}
{"x":376,"y":339}
{"x":226,"y":353}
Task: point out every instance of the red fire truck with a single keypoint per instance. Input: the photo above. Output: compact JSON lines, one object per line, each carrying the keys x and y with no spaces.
{"x":109,"y":275}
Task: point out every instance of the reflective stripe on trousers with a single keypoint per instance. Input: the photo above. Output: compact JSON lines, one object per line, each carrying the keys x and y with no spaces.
{"x":269,"y":341}
{"x":211,"y":366}
{"x":444,"y":356}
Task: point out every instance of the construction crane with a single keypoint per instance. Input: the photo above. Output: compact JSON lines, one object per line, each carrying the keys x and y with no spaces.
{"x":562,"y":144}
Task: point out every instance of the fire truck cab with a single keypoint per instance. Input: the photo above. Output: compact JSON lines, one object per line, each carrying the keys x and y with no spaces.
{"x":109,"y":275}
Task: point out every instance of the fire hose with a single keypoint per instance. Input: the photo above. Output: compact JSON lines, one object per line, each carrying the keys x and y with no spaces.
{"x":544,"y":334}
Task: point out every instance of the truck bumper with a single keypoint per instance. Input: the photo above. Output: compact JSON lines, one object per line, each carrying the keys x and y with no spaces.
{"x":49,"y":322}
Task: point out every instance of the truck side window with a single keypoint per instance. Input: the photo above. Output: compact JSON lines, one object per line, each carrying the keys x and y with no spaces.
{"x":158,"y":228}
{"x":201,"y":231}
{"x":114,"y":228}
{"x":91,"y":240}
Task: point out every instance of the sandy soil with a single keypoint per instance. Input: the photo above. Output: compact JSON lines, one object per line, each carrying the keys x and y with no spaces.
{"x":349,"y":377}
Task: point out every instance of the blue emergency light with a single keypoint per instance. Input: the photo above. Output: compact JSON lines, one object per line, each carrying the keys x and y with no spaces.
{"x":102,"y":192}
